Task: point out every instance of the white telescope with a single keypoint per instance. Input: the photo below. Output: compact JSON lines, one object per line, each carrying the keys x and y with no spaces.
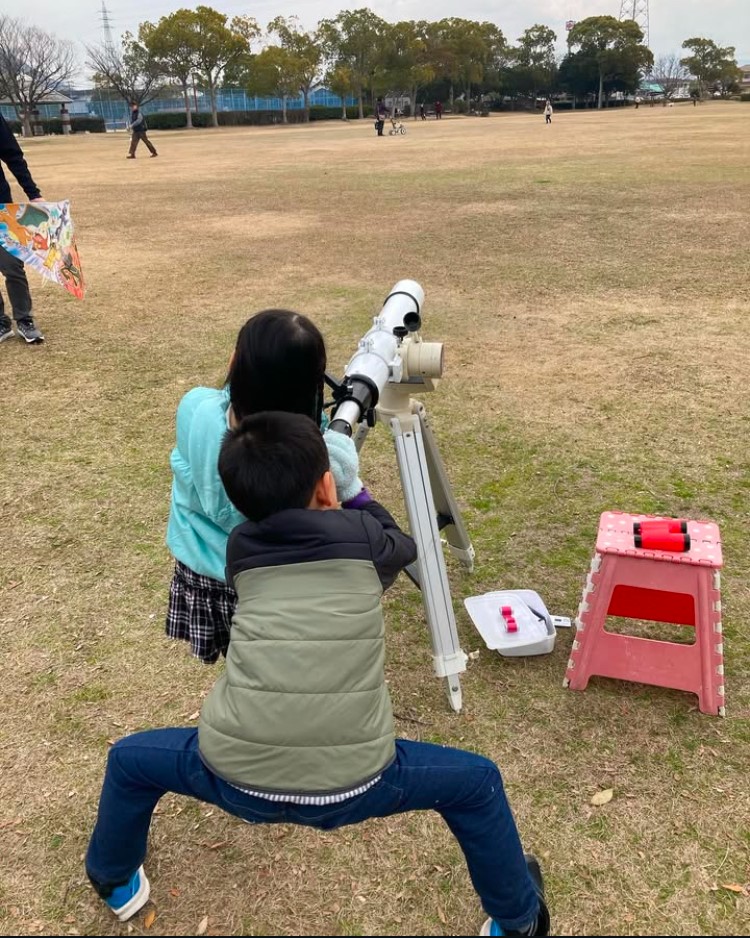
{"x":390,"y":352}
{"x":392,"y":363}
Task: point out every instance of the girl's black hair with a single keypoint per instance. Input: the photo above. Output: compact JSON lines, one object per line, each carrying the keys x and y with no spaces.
{"x":279,"y":364}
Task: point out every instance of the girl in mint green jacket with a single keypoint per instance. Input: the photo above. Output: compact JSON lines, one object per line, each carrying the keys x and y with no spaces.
{"x":278,"y":363}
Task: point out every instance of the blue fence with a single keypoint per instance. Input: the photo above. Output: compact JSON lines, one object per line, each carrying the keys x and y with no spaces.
{"x":228,"y":99}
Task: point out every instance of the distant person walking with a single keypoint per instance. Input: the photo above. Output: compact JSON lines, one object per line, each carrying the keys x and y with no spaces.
{"x":548,"y":112}
{"x":380,"y":116}
{"x":139,"y":130}
{"x":438,"y":110}
{"x":422,"y":113}
{"x":11,"y":267}
{"x":637,"y":101}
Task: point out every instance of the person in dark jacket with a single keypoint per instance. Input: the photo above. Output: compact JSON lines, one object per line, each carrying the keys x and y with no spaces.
{"x":139,"y":130}
{"x":11,"y":267}
{"x":381,"y":112}
{"x":299,"y":727}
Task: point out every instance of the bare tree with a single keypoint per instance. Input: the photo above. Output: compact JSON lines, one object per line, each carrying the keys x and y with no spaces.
{"x":132,"y":71}
{"x":671,"y":74}
{"x":33,"y":65}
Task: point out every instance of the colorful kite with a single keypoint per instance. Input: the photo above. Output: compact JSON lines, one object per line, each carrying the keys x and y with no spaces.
{"x":41,"y":235}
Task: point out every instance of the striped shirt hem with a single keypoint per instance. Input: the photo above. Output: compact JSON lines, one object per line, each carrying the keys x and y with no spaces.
{"x":336,"y":798}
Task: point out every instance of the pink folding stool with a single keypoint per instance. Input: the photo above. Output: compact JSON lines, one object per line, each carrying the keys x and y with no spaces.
{"x":660,"y":586}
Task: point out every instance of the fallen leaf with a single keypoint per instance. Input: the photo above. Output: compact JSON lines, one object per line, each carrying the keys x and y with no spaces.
{"x":441,"y":914}
{"x":194,"y":716}
{"x":174,"y":892}
{"x":735,"y":887}
{"x":202,"y":926}
{"x":149,"y":919}
{"x":602,"y":797}
{"x":218,"y":845}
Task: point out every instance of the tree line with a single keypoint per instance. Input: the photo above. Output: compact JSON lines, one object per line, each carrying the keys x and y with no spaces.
{"x":355,"y":54}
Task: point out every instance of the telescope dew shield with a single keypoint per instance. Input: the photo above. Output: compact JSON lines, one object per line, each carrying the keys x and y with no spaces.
{"x":402,"y":309}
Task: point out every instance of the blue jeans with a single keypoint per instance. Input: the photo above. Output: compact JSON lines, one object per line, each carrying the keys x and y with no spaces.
{"x":464,"y":788}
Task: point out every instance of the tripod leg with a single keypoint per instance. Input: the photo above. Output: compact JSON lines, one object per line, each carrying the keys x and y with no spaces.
{"x":450,"y":521}
{"x":448,"y":658}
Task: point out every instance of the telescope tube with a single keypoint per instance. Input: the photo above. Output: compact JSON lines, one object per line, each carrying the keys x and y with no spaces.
{"x":376,"y":360}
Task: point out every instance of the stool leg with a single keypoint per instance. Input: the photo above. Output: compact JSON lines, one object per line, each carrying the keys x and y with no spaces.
{"x":709,"y":636}
{"x":592,"y":616}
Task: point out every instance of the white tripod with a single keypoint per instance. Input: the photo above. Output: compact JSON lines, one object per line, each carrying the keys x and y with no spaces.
{"x":391,"y":363}
{"x":431,"y":509}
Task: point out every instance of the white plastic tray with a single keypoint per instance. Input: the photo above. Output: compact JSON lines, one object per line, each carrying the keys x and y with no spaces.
{"x":536,"y":633}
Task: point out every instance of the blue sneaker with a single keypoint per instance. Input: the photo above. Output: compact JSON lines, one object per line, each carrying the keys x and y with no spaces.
{"x":126,"y":900}
{"x":491,"y":927}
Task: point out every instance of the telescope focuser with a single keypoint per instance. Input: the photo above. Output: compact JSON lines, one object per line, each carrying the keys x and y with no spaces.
{"x":360,"y":390}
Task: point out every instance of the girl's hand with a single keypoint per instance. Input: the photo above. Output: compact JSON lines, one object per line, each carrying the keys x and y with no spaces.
{"x":344,"y":460}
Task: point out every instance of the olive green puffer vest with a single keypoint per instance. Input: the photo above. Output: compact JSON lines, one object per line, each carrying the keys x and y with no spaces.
{"x":302,"y":707}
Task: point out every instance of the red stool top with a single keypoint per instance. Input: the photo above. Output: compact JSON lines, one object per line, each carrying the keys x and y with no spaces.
{"x":616,"y":537}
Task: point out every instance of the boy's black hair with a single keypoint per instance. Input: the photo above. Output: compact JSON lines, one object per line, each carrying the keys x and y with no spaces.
{"x":271,"y":462}
{"x":279,"y":364}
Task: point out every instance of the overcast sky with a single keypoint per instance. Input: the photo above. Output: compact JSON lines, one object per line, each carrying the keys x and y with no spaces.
{"x":727,"y":22}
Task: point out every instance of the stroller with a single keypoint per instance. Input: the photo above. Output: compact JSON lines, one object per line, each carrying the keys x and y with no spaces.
{"x":396,"y":127}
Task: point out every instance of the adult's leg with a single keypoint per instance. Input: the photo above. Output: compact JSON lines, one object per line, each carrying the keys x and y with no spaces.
{"x":135,"y":139}
{"x":17,"y":286}
{"x":148,"y":143}
{"x":467,"y":790}
{"x":140,"y":769}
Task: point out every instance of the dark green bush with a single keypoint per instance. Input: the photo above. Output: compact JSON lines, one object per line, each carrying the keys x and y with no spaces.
{"x":78,"y":125}
{"x":167,"y":120}
{"x":94,"y":125}
{"x":745,"y":96}
{"x":176,"y":120}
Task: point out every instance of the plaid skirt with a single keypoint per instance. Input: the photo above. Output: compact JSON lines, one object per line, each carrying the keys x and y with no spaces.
{"x":200,"y":612}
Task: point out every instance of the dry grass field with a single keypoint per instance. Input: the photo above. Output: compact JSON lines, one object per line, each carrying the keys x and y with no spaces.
{"x":591,"y":283}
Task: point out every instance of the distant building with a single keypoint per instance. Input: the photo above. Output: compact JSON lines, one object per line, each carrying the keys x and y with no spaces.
{"x":48,"y":107}
{"x":745,"y":80}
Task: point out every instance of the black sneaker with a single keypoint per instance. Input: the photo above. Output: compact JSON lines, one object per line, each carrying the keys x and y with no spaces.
{"x":542,"y":924}
{"x":5,"y":331}
{"x":28,"y":331}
